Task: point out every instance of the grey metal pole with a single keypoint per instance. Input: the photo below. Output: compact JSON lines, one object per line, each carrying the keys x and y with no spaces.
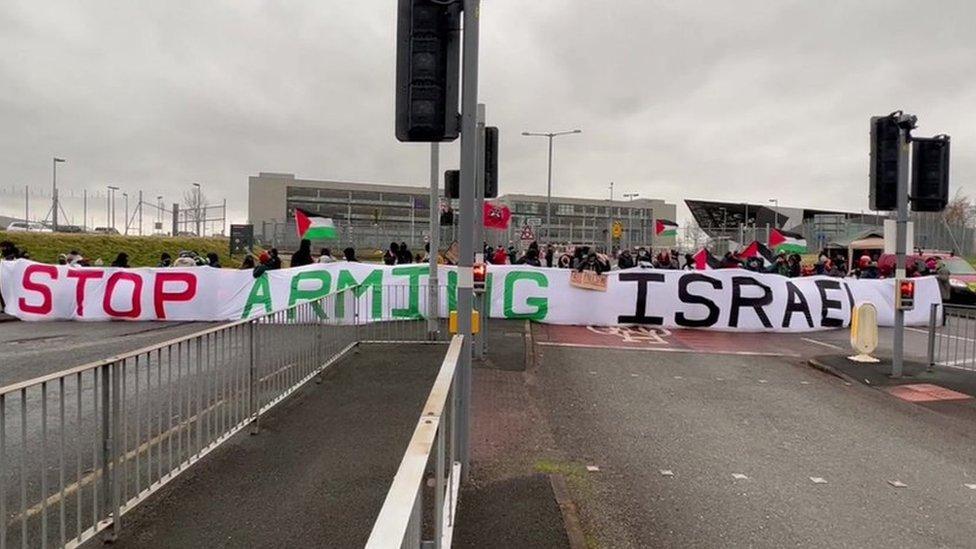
{"x":433,"y":309}
{"x":26,"y":203}
{"x":610,"y":221}
{"x":469,"y":159}
{"x":140,"y":213}
{"x":84,"y":209}
{"x":125,"y":198}
{"x":549,"y":196}
{"x":479,"y":224}
{"x":901,"y":230}
{"x":54,"y":193}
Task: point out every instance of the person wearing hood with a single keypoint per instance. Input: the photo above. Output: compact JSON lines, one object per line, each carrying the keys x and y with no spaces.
{"x":625,"y":260}
{"x":121,"y":261}
{"x":349,"y":254}
{"x":304,"y":254}
{"x":274,"y":262}
{"x":165,"y":260}
{"x":213,"y":260}
{"x":391,"y":255}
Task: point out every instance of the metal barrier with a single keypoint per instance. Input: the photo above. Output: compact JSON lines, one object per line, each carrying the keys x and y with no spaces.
{"x":398,"y":313}
{"x":401,"y":520}
{"x":80,"y":448}
{"x":952,"y":343}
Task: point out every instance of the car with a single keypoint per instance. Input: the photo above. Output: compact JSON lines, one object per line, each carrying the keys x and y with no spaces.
{"x":69,"y":229}
{"x":962,"y":275}
{"x":28,"y":226}
{"x":105,"y":230}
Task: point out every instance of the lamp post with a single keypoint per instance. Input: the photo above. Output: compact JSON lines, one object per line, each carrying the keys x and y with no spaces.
{"x":775,"y":203}
{"x":54,"y":193}
{"x":110,"y":207}
{"x":196,"y":211}
{"x":125,"y":198}
{"x":630,"y":209}
{"x":550,"y":135}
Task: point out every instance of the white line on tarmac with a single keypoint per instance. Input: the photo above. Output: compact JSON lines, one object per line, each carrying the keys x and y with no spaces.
{"x":942,"y":335}
{"x":665,"y":349}
{"x":824,"y":343}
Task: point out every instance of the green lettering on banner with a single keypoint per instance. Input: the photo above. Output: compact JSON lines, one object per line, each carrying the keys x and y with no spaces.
{"x":412,"y":311}
{"x":296,"y":294}
{"x":260,"y":295}
{"x":451,"y":291}
{"x":374,"y":281}
{"x":541,"y":304}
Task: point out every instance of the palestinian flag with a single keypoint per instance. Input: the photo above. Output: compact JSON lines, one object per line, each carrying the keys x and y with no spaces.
{"x":757,"y":249}
{"x":314,"y":227}
{"x":704,"y":260}
{"x":666,"y":228}
{"x":787,"y":242}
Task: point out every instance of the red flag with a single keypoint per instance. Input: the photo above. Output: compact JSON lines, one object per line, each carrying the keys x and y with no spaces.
{"x":496,"y":216}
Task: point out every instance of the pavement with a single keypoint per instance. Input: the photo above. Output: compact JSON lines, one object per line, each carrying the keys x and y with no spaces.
{"x":507,"y":502}
{"x":694,"y":449}
{"x":316,"y":475}
{"x":32,"y":349}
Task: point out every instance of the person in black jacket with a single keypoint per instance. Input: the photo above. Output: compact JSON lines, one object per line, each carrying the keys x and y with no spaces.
{"x":391,"y":256}
{"x":274,"y":262}
{"x":625,"y":260}
{"x":304,"y":254}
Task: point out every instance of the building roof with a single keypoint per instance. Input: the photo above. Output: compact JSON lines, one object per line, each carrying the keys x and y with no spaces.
{"x":581,"y":201}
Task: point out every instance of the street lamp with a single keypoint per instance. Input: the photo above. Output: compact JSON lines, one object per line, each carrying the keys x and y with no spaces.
{"x":550,"y":135}
{"x":54,"y":193}
{"x":775,"y":203}
{"x":125,"y":198}
{"x":110,"y":206}
{"x":196,"y":213}
{"x":630,"y":209}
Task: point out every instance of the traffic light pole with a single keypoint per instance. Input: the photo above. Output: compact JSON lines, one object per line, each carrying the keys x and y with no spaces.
{"x":901,"y":235}
{"x":469,"y":161}
{"x":433,"y":308}
{"x":479,"y":225}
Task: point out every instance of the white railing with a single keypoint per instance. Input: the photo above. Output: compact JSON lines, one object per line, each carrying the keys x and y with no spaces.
{"x":400,"y":522}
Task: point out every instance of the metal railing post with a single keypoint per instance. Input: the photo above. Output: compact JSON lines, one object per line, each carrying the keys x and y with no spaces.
{"x":439,"y":487}
{"x":933,"y":313}
{"x":252,"y":391}
{"x":107,"y":436}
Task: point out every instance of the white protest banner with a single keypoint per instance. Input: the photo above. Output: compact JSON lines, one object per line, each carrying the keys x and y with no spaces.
{"x":723,"y":299}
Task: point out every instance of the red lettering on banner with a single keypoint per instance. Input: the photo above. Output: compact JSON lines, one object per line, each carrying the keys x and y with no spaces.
{"x":160,"y":296}
{"x":45,"y":291}
{"x":136,"y":309}
{"x":83,"y":275}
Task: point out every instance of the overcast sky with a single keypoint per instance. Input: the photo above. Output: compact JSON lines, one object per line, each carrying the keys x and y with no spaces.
{"x":721,"y":100}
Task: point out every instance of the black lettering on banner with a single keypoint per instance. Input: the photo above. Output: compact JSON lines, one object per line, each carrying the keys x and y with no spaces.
{"x":686,"y":297}
{"x":828,"y":304}
{"x":641,"y":315}
{"x":757,"y":303}
{"x":796,"y":302}
{"x":850,"y":299}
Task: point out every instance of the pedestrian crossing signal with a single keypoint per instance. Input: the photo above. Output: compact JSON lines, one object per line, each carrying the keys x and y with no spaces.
{"x":904,"y":295}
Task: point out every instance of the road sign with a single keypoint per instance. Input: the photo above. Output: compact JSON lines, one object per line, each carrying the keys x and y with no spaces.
{"x":618,"y":229}
{"x":534,"y":221}
{"x":527,"y":233}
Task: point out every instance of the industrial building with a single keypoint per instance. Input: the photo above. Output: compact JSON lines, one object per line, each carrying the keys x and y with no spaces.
{"x":371,"y":215}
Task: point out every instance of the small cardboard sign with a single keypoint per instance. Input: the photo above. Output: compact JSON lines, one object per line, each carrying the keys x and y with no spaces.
{"x":588,"y":280}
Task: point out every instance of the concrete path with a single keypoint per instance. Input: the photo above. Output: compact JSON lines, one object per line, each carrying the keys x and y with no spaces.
{"x":698,"y":450}
{"x":316,"y":475}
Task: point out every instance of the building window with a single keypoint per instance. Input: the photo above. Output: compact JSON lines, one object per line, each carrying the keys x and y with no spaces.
{"x":564,"y":209}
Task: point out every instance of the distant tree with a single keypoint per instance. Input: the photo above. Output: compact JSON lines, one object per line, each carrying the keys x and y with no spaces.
{"x":692,"y":236}
{"x":960,"y":211}
{"x":194,"y":211}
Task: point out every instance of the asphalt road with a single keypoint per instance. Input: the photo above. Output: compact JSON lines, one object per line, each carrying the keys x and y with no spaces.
{"x":32,"y":349}
{"x":707,"y":417}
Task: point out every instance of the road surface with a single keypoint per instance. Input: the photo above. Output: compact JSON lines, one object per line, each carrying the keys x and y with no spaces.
{"x":717,"y":450}
{"x":32,"y":349}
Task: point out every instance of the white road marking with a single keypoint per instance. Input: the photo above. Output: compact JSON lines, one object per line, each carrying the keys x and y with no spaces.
{"x":926,"y":332}
{"x":739,"y":476}
{"x":665,"y":350}
{"x":670,"y":473}
{"x":823,"y":343}
{"x":897,"y":483}
{"x":763,"y":381}
{"x":818,"y":480}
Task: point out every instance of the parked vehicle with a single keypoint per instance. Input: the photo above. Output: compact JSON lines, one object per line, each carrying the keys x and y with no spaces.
{"x":70,"y":229}
{"x":105,"y":230}
{"x":28,"y":226}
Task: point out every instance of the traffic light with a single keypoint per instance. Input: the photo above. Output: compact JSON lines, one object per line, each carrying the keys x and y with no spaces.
{"x":452,"y":183}
{"x":427,"y":70}
{"x":930,"y":173}
{"x":904,"y":294}
{"x":480,"y":272}
{"x":883,"y":193}
{"x":491,"y":162}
